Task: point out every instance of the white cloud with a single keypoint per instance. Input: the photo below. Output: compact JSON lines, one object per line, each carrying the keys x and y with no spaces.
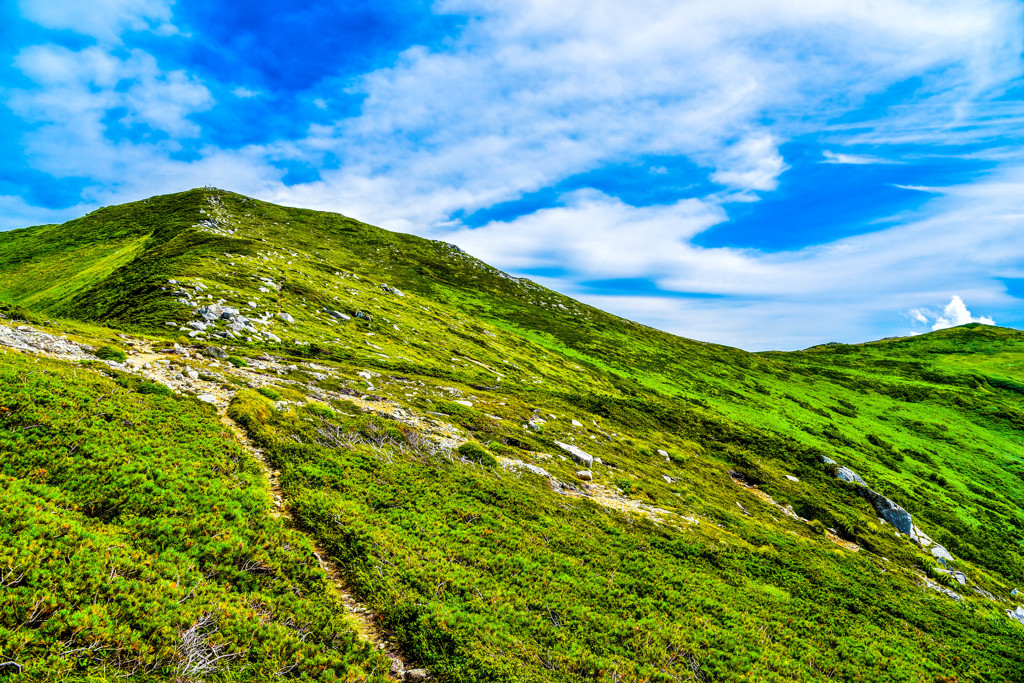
{"x":105,"y":20}
{"x":754,"y":163}
{"x":15,"y":212}
{"x":534,"y":93}
{"x":78,"y":90}
{"x":953,"y":313}
{"x":856,"y":159}
{"x":245,"y":93}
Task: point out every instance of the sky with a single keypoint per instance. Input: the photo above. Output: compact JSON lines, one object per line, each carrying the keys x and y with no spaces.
{"x":767,"y":174}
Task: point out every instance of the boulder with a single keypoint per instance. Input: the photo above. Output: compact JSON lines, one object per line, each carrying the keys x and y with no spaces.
{"x":539,"y":471}
{"x":415,"y":675}
{"x":286,"y":317}
{"x":889,"y":511}
{"x":960,"y":577}
{"x":920,"y":538}
{"x":580,"y":456}
{"x":790,"y":477}
{"x":215,"y":352}
{"x":827,"y":460}
{"x":207,"y":398}
{"x":585,"y":475}
{"x":941,"y":553}
{"x":1016,"y":614}
{"x":1013,"y":593}
{"x":337,"y":314}
{"x":846,"y":474}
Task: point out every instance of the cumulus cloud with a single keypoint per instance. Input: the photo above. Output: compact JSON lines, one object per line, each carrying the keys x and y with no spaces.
{"x":101,"y":19}
{"x":953,"y":314}
{"x":78,"y":91}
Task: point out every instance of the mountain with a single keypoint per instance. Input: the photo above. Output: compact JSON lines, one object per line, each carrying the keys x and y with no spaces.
{"x":240,"y":441}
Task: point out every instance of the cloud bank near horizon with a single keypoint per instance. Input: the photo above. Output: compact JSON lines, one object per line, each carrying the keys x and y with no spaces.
{"x":747,"y":173}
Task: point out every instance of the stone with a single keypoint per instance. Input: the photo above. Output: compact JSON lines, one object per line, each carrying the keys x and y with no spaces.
{"x":577,"y":423}
{"x":195,"y":325}
{"x":663,"y":453}
{"x":668,"y":479}
{"x":272,"y":337}
{"x":585,"y":475}
{"x":941,"y":553}
{"x":539,"y":471}
{"x":207,"y":398}
{"x":889,"y":511}
{"x":827,"y":460}
{"x":215,"y":352}
{"x":846,"y":474}
{"x":791,"y":477}
{"x":579,"y":455}
{"x":1017,"y":614}
{"x":960,"y":577}
{"x":1013,"y":593}
{"x":468,"y":404}
{"x":336,"y":314}
{"x":252,"y":304}
{"x":193,"y":374}
{"x":286,"y":317}
{"x":415,"y":675}
{"x":397,"y":668}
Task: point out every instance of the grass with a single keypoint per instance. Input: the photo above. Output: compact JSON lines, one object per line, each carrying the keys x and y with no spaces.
{"x":109,"y":558}
{"x":486,"y":572}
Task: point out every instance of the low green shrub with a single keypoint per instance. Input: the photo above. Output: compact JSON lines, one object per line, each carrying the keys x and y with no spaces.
{"x":270,"y":393}
{"x":476,"y":453}
{"x":108,"y":352}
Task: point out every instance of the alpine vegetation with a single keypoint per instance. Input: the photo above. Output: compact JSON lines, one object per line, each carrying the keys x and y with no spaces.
{"x":242,"y":442}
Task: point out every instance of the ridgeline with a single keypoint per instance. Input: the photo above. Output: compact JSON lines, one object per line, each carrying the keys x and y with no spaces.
{"x":241,"y":442}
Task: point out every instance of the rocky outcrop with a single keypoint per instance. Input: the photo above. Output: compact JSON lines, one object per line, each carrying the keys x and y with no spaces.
{"x":890,"y":512}
{"x":846,"y":474}
{"x":579,"y":455}
{"x":1016,"y":614}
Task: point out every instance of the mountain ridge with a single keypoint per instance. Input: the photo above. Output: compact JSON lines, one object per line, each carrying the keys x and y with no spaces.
{"x":427,"y":414}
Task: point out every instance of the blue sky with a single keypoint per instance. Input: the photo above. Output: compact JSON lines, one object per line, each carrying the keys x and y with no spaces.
{"x":761,"y":174}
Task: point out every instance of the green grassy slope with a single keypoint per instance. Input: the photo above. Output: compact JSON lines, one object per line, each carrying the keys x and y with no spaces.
{"x":488,"y":572}
{"x":128,"y":518}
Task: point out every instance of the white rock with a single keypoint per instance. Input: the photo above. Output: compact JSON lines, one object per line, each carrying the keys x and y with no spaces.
{"x":580,"y":456}
{"x":585,"y":475}
{"x":193,"y":374}
{"x":791,"y":477}
{"x":468,"y":404}
{"x":207,"y":398}
{"x":577,"y":423}
{"x":662,"y":453}
{"x":286,"y":317}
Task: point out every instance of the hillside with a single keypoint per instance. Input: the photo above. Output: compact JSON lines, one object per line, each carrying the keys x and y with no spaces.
{"x":271,"y":441}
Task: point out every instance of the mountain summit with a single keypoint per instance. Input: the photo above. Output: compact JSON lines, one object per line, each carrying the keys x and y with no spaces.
{"x":241,"y":441}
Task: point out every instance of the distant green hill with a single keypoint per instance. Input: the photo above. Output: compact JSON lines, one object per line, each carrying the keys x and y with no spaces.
{"x":710,"y":538}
